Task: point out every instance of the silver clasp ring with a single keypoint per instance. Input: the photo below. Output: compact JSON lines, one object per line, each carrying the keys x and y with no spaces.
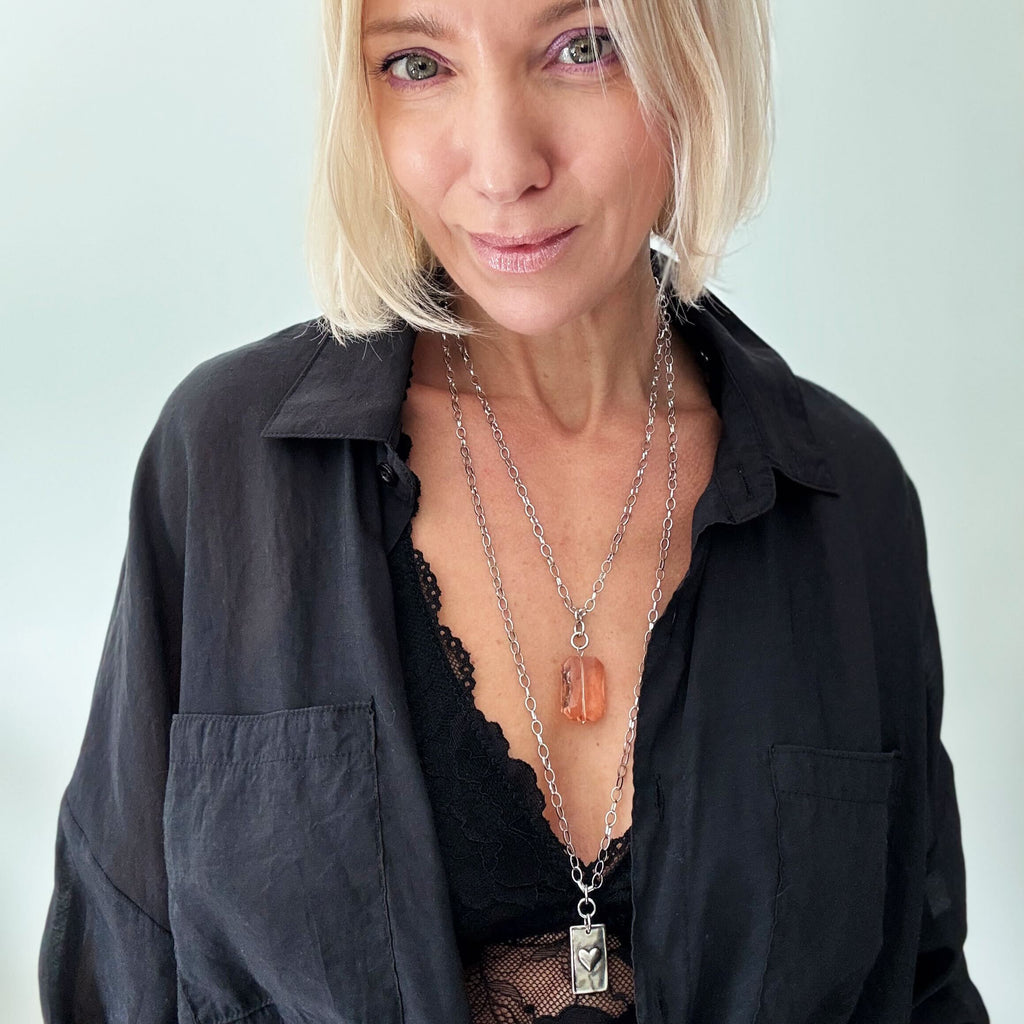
{"x":579,"y":639}
{"x":588,"y":913}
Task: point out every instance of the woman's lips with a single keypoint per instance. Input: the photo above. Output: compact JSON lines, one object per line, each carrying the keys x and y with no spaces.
{"x":520,"y":254}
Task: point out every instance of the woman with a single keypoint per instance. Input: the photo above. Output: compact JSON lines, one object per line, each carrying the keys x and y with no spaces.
{"x":546,"y":651}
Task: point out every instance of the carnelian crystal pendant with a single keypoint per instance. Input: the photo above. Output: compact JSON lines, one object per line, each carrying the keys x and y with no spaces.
{"x":582,"y":688}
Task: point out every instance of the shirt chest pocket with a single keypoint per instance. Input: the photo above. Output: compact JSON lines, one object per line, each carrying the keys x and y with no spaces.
{"x":275,"y":873}
{"x":832,"y":813}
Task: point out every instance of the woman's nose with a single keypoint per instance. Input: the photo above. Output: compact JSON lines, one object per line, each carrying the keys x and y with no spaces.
{"x":508,"y":146}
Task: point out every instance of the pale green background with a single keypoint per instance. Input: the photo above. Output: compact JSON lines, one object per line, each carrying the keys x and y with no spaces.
{"x":153,"y":170}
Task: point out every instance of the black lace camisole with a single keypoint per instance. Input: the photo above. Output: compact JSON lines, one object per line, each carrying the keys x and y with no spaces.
{"x":512,"y":896}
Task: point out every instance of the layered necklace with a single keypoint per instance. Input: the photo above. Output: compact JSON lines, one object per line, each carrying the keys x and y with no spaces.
{"x":583,"y":676}
{"x":583,"y":696}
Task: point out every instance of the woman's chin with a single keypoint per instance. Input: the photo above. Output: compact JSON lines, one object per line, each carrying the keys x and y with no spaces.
{"x":524,"y":314}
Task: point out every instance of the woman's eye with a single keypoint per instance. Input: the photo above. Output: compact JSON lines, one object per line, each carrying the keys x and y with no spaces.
{"x":413,"y":67}
{"x":586,"y":49}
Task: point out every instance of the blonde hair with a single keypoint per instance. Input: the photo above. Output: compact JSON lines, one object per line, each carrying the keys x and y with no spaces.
{"x":701,"y":70}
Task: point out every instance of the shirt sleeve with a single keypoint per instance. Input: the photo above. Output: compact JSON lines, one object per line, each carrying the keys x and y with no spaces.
{"x":943,"y":990}
{"x":107,"y":952}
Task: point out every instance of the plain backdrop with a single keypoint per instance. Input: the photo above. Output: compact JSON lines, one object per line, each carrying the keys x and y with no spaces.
{"x":154,"y":162}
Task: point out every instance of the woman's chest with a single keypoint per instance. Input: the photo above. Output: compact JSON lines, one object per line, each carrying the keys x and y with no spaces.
{"x":500,"y":596}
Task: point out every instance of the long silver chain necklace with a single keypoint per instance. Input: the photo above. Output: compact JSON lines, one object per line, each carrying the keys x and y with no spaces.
{"x":582,"y":676}
{"x":588,"y":954}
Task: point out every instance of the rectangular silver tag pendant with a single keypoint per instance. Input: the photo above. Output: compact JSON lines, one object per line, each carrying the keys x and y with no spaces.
{"x":588,"y":957}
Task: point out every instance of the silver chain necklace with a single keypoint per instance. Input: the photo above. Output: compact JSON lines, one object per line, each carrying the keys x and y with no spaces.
{"x":582,"y":677}
{"x":588,"y":960}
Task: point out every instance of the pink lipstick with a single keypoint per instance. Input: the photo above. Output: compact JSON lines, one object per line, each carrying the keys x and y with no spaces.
{"x":521,"y":254}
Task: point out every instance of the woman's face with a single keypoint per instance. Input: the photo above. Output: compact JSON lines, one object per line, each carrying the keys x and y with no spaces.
{"x":517,"y":143}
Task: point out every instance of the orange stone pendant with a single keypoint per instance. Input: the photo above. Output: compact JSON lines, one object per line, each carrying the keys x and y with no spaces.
{"x":582,"y":688}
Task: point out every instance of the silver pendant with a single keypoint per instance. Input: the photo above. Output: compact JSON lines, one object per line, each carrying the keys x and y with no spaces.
{"x":588,"y":958}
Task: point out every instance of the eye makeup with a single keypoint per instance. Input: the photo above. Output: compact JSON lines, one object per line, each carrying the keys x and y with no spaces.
{"x":600,"y":39}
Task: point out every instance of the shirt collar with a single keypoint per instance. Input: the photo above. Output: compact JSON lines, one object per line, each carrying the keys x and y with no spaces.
{"x":355,"y":391}
{"x":765,"y":426}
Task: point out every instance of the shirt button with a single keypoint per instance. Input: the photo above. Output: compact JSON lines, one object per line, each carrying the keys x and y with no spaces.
{"x":387,"y":474}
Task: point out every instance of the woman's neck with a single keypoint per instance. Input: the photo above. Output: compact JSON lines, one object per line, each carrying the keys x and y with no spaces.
{"x":578,"y":374}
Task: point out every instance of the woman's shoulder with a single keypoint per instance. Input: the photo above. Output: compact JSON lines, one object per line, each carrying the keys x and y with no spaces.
{"x":806,"y":429}
{"x":205,"y":439}
{"x":852,"y":441}
{"x":299,"y":382}
{"x":243,"y":386}
{"x":870,"y":477}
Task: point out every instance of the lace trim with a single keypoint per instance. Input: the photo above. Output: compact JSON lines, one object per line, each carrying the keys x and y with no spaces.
{"x":520,"y":778}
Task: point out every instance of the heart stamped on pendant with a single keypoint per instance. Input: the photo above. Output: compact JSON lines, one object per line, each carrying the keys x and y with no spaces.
{"x":590,"y":957}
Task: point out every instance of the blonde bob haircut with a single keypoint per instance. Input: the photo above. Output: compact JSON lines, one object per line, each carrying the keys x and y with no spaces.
{"x":701,"y":70}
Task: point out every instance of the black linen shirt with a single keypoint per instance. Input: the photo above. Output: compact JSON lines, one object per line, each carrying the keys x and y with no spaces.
{"x":247,"y":835}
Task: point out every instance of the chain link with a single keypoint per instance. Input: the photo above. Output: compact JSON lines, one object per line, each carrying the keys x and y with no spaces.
{"x":579,"y":639}
{"x":529,"y":701}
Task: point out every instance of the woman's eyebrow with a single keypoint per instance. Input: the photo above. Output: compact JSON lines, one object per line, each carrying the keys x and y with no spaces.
{"x":418,"y":23}
{"x":562,"y":9}
{"x":432,"y":27}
